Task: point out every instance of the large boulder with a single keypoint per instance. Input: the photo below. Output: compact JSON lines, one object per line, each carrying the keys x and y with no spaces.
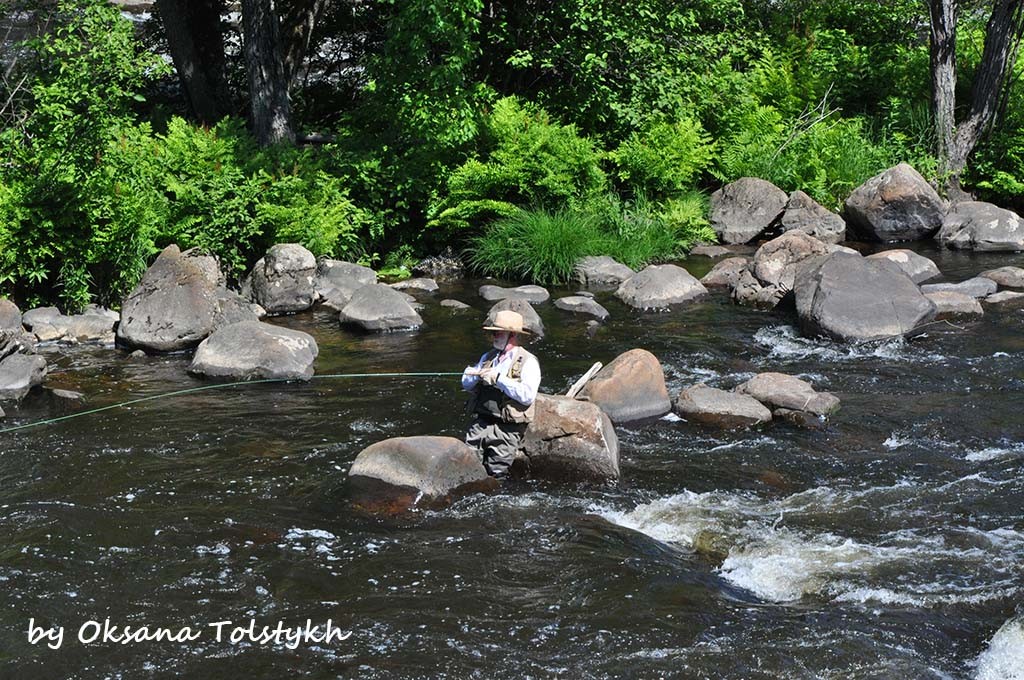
{"x":19,"y":373}
{"x":174,"y":307}
{"x":742,"y":210}
{"x":395,"y":474}
{"x":853,"y":299}
{"x":895,"y":205}
{"x":253,"y":350}
{"x":601,"y":272}
{"x":978,"y":287}
{"x":40,"y":315}
{"x":1006,"y":277}
{"x":336,"y":281}
{"x":571,"y":440}
{"x":711,"y":406}
{"x":725,"y":273}
{"x":283,"y":281}
{"x":659,"y":286}
{"x":10,"y":315}
{"x":781,"y":391}
{"x":804,"y":214}
{"x":918,"y":267}
{"x":771,"y":273}
{"x":378,"y":307}
{"x":975,"y":225}
{"x":631,"y":387}
{"x":532,"y":294}
{"x":531,"y":319}
{"x":580,"y":304}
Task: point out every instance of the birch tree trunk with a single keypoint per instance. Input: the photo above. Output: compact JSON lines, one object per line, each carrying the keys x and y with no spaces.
{"x":268,"y":81}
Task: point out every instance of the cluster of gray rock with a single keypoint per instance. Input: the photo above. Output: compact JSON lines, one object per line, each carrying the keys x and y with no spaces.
{"x":757,"y":401}
{"x":895,"y":205}
{"x":842,"y":295}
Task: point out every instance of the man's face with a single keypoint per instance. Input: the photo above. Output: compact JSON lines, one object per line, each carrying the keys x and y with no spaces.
{"x":499,"y":339}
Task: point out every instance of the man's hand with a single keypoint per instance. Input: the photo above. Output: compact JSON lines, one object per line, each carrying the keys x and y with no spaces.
{"x":490,"y":376}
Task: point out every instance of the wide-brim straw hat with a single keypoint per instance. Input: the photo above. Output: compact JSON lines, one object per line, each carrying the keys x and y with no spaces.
{"x":507,"y":320}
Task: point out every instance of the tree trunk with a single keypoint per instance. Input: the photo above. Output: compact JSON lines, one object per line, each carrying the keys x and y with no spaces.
{"x":268,"y":83}
{"x":297,"y":23}
{"x":943,"y":66}
{"x":196,"y":41}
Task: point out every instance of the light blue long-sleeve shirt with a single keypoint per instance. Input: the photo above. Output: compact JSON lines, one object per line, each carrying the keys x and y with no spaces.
{"x":523,"y":390}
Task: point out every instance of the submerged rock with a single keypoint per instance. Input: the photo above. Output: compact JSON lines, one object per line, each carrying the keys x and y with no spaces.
{"x":806,"y":215}
{"x":420,"y":285}
{"x":1005,"y":296}
{"x":659,"y":286}
{"x":571,"y":440}
{"x":396,"y":474}
{"x":918,"y":267}
{"x":854,"y":299}
{"x":454,"y":304}
{"x":377,"y":308}
{"x":579,"y":304}
{"x":283,"y":280}
{"x":895,"y":205}
{"x":336,"y":281}
{"x":781,"y":391}
{"x":711,"y":406}
{"x":742,"y":210}
{"x":631,"y":387}
{"x":976,"y":225}
{"x":252,"y":350}
{"x":532,"y":294}
{"x":949,"y":303}
{"x":1006,"y":277}
{"x":601,"y":272}
{"x":711,"y":251}
{"x":978,"y":287}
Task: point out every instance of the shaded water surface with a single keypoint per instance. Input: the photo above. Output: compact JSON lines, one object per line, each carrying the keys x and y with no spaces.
{"x":890,"y":544}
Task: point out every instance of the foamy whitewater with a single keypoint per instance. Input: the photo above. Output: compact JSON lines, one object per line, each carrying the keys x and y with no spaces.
{"x":1004,"y":657}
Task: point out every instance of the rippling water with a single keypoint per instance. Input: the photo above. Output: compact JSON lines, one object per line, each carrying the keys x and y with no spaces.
{"x":890,"y":544}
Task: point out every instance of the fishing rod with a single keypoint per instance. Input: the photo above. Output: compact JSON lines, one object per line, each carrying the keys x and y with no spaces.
{"x":216,"y":386}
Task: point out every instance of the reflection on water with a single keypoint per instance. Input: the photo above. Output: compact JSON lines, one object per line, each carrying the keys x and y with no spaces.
{"x":888,"y":544}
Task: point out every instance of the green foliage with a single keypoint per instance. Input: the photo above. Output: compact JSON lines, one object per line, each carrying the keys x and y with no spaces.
{"x":665,"y":158}
{"x":527,"y":160}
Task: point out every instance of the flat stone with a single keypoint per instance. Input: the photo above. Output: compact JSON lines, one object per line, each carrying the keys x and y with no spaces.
{"x":778,"y":390}
{"x":918,"y":267}
{"x":533,"y":294}
{"x":710,"y":251}
{"x":454,"y":304}
{"x":602,"y":272}
{"x":659,"y":286}
{"x":421,"y":284}
{"x":725,"y":273}
{"x":978,"y":287}
{"x":955,"y":304}
{"x":584,"y":293}
{"x":69,"y":395}
{"x":711,"y":406}
{"x":1004,"y":296}
{"x":582,"y":305}
{"x":1006,"y":277}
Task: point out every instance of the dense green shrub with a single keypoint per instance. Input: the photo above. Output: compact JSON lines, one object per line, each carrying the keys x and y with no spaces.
{"x":665,"y":158}
{"x":526,"y":161}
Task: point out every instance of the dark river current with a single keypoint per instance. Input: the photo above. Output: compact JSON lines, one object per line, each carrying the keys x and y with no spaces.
{"x":888,"y":545}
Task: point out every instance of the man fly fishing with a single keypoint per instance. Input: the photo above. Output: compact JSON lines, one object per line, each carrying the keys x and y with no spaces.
{"x":503,"y":386}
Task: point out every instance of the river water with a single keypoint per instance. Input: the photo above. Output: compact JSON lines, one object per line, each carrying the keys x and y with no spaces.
{"x":889,"y":544}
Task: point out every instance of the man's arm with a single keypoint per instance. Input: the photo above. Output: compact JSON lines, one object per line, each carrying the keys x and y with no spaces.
{"x":470,"y":377}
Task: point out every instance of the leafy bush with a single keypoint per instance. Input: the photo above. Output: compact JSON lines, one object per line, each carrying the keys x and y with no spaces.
{"x":665,"y":158}
{"x":527,"y":161}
